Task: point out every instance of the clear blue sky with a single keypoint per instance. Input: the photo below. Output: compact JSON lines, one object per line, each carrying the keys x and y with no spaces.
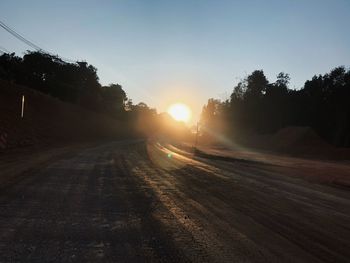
{"x":164,"y":51}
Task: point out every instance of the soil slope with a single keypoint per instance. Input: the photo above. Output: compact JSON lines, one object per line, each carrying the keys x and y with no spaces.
{"x":47,"y":119}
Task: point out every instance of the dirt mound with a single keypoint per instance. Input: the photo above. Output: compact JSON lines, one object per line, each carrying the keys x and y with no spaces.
{"x":296,"y":141}
{"x":298,"y":137}
{"x":305,"y":142}
{"x":47,"y":119}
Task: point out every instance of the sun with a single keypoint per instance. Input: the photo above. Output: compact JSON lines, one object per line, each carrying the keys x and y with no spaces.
{"x":180,"y":112}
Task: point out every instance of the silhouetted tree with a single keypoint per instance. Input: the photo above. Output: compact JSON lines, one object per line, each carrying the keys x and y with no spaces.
{"x":10,"y":67}
{"x":256,"y":84}
{"x":257,"y":106}
{"x":114,"y":100}
{"x":275,"y":106}
{"x":215,"y":117}
{"x":144,"y":118}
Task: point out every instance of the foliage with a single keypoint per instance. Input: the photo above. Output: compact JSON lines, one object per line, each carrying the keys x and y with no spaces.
{"x":78,"y":83}
{"x":72,"y":82}
{"x":257,"y":106}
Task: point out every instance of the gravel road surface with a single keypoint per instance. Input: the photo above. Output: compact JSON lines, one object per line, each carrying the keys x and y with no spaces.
{"x":136,"y":202}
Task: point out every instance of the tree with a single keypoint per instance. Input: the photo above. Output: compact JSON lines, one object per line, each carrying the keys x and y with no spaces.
{"x":282,"y":80}
{"x":143,"y":117}
{"x":10,"y":67}
{"x":275,"y":104}
{"x":210,"y":112}
{"x":256,"y":84}
{"x":214,"y":118}
{"x":239,"y":91}
{"x":114,"y":100}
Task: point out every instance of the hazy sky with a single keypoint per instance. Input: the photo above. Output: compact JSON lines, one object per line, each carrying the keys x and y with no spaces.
{"x":166,"y":51}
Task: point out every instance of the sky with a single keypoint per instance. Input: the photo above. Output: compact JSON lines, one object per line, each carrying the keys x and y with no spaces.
{"x":163,"y":52}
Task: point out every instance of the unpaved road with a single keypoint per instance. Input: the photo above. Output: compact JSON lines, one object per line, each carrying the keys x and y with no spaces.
{"x":128,"y":202}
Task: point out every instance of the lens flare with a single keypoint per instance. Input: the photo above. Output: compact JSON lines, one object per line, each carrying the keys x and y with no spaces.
{"x":180,"y":112}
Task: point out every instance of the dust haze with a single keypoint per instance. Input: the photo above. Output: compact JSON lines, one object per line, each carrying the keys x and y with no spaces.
{"x":89,"y":175}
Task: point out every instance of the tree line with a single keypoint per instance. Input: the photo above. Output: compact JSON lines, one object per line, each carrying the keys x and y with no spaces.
{"x":76,"y":83}
{"x":257,"y":106}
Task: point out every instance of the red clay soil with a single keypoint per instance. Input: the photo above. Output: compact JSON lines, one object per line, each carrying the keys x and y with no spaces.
{"x":318,"y":170}
{"x":296,"y":141}
{"x":47,"y":119}
{"x":293,"y":151}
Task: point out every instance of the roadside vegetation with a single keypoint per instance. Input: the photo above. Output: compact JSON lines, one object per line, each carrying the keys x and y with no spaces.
{"x":257,"y":106}
{"x":78,"y":83}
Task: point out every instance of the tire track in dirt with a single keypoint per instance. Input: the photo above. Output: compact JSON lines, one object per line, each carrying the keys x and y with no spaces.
{"x":269,"y":211}
{"x":121,"y":202}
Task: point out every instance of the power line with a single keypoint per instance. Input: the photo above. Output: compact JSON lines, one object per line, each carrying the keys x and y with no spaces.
{"x":4,"y":50}
{"x":20,"y":37}
{"x":29,"y":43}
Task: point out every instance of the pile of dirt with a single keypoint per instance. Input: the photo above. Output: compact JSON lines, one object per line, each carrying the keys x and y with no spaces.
{"x":299,"y":141}
{"x":298,"y":137}
{"x":47,"y":119}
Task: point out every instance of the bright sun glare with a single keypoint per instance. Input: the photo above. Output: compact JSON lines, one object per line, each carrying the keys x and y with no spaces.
{"x":180,"y":112}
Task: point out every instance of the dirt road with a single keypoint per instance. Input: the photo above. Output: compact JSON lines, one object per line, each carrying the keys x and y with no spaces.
{"x":128,"y":202}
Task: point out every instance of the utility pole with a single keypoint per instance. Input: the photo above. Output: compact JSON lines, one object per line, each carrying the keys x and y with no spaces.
{"x":196,"y":140}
